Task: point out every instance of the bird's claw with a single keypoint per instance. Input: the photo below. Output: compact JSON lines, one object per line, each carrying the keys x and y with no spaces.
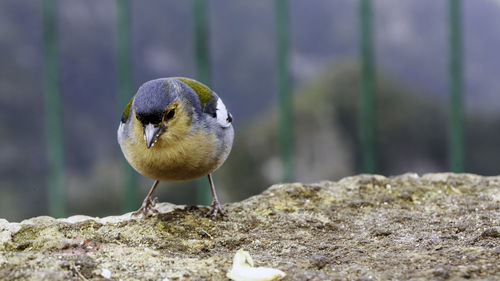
{"x":147,"y":205}
{"x":215,"y":208}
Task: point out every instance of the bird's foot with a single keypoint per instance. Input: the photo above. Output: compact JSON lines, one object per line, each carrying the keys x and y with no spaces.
{"x":147,"y":205}
{"x":215,"y":208}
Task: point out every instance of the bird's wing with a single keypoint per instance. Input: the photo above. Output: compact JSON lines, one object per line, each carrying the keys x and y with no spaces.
{"x":126,"y":111}
{"x":224,"y":118}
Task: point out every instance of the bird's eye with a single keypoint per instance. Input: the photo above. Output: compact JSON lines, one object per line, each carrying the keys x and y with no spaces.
{"x":170,"y":114}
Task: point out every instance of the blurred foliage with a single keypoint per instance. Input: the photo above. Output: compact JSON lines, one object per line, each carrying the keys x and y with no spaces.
{"x":410,"y":133}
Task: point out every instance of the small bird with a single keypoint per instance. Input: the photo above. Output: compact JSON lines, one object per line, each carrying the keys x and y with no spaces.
{"x":176,"y":129}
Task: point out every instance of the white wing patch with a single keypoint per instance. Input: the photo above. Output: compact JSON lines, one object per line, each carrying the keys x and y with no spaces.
{"x":223,"y":117}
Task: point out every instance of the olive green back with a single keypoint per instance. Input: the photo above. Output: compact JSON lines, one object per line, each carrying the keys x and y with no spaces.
{"x":203,"y":91}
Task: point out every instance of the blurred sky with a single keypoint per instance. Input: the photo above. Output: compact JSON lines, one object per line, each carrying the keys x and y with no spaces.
{"x":411,"y":47}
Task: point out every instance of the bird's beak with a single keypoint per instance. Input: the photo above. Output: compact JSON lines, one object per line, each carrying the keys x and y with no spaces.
{"x":151,"y":134}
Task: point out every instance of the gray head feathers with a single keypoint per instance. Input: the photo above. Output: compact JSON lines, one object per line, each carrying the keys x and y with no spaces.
{"x":154,"y":96}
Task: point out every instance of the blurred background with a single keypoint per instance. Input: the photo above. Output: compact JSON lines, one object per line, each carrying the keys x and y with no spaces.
{"x":318,"y":89}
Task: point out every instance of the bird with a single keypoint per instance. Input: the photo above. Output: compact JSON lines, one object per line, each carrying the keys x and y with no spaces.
{"x":176,"y":129}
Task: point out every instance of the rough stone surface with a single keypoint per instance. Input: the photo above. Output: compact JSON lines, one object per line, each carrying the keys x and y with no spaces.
{"x":434,"y":227}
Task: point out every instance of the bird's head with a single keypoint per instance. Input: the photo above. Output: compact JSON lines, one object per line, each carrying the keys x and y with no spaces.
{"x":163,"y":110}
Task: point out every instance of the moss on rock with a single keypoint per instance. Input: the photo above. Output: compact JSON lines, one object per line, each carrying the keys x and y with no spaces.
{"x":435,"y":226}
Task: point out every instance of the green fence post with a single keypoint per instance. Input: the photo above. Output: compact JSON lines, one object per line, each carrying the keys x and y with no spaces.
{"x":202,"y":42}
{"x":52,"y":116}
{"x":285,"y":121}
{"x":455,"y":120}
{"x":202,"y":68}
{"x":367,"y":98}
{"x":123,"y":56}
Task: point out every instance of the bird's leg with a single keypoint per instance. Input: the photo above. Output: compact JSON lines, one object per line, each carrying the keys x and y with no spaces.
{"x":148,"y":203}
{"x":215,"y":207}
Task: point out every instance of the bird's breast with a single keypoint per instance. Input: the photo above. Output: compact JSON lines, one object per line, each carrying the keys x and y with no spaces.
{"x":194,"y":156}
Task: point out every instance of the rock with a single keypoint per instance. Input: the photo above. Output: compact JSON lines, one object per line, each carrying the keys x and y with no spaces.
{"x":319,"y":261}
{"x":359,"y":228}
{"x":493,"y":232}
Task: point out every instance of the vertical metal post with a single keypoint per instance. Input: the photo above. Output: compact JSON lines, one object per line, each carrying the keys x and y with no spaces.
{"x":125,"y":92}
{"x":285,"y":121}
{"x":367,"y":98}
{"x":455,"y":125}
{"x":52,"y":116}
{"x":202,"y":68}
{"x":202,"y":42}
